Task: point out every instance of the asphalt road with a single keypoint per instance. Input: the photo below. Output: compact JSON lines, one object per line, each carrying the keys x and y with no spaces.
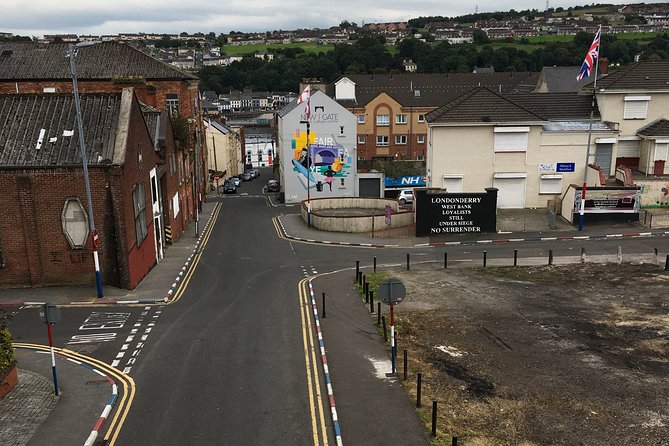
{"x":227,"y":363}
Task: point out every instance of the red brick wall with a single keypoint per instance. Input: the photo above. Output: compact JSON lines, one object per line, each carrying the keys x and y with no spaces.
{"x":36,"y":250}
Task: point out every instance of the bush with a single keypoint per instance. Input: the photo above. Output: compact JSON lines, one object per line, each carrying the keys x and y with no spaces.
{"x":6,"y":350}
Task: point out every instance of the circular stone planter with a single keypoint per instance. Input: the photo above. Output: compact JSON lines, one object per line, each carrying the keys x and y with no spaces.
{"x":355,"y":214}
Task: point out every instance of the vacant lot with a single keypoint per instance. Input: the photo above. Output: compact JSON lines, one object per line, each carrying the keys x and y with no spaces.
{"x":575,"y":354}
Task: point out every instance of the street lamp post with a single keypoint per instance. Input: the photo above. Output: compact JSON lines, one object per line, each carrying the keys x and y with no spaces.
{"x":84,"y":159}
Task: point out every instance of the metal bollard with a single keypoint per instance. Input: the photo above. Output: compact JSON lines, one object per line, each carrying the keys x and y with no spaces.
{"x":323,"y":305}
{"x":666,"y":264}
{"x":454,"y":441}
{"x":378,"y":313}
{"x":655,"y":256}
{"x":371,"y":301}
{"x":374,"y":263}
{"x":408,"y":266}
{"x":357,"y":268}
{"x":445,"y":260}
{"x":418,"y":384}
{"x":366,"y":292}
{"x":385,"y":333}
{"x":485,"y":258}
{"x":406,"y":364}
{"x":550,"y":257}
{"x":434,"y":418}
{"x":582,"y":255}
{"x":515,"y":257}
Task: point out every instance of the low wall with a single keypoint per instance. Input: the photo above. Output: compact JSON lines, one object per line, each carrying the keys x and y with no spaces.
{"x":356,"y":222}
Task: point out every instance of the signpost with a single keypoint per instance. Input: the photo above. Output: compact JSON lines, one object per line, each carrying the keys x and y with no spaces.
{"x":50,"y":315}
{"x":391,"y":292}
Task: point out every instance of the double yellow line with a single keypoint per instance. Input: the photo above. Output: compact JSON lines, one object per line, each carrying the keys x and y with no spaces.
{"x":312,"y":361}
{"x":125,"y":397}
{"x":205,"y":239}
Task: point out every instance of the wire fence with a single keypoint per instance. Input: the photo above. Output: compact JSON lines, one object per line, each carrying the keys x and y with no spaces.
{"x":654,"y":218}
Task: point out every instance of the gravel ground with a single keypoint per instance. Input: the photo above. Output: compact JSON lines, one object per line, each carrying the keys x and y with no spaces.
{"x":573,"y":354}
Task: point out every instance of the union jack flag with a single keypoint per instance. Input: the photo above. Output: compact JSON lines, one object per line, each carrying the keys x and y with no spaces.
{"x":591,"y":57}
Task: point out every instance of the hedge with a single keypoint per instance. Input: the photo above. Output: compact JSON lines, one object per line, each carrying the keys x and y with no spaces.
{"x":6,"y":350}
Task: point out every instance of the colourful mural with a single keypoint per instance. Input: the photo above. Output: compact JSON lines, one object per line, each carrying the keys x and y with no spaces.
{"x":323,"y":164}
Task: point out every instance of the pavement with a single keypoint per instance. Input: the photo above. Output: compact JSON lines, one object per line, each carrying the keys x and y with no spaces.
{"x":31,"y":412}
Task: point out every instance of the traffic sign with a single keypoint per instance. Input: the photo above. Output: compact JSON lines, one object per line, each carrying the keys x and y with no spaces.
{"x":49,"y":313}
{"x":96,"y":239}
{"x":392,"y":291}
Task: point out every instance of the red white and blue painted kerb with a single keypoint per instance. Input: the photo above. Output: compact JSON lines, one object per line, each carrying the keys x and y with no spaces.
{"x":326,"y":369}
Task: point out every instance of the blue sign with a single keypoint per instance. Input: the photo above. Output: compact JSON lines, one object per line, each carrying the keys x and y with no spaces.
{"x":406,"y":181}
{"x":566,"y":167}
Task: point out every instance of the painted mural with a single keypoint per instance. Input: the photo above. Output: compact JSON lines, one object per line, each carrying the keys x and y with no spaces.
{"x":322,"y":164}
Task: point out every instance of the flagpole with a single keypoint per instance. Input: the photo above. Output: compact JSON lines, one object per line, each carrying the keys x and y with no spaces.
{"x":581,"y":218}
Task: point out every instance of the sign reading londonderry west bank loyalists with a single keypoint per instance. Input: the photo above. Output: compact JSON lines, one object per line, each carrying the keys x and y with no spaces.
{"x":439,"y":212}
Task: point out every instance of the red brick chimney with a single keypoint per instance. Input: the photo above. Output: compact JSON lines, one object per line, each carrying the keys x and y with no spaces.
{"x":603,"y":64}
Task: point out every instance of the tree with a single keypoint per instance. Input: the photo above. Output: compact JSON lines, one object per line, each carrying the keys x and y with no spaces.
{"x":480,"y":37}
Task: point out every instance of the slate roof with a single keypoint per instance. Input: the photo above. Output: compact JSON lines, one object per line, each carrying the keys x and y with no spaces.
{"x":659,"y":127}
{"x":562,"y":79}
{"x":481,"y":105}
{"x":434,"y":89}
{"x":24,"y":117}
{"x":103,"y":61}
{"x":647,"y":75}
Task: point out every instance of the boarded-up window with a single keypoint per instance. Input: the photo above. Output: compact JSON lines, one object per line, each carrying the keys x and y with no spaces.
{"x":550,"y":184}
{"x":139,"y":204}
{"x":511,"y":139}
{"x":636,"y":107}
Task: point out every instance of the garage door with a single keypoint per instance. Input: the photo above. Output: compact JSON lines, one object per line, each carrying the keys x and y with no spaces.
{"x":511,"y":190}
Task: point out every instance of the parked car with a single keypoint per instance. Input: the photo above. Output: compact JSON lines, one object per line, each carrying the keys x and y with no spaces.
{"x":229,"y":187}
{"x":245,"y":176}
{"x":273,"y":186}
{"x":405,"y":196}
{"x":254,"y":173}
{"x":235,"y":180}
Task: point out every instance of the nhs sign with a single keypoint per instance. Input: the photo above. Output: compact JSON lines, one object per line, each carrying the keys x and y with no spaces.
{"x":405,"y":181}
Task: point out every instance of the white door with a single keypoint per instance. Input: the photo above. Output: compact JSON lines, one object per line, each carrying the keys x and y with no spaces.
{"x":157,"y":216}
{"x":511,"y":193}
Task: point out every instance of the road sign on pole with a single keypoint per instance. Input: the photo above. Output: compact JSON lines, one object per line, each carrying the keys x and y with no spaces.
{"x":392,"y":292}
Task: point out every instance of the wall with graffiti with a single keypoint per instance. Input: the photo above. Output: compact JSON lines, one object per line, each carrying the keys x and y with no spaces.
{"x":324,"y":165}
{"x":654,"y":192}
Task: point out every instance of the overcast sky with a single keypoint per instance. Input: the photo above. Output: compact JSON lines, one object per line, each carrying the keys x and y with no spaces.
{"x":39,"y":17}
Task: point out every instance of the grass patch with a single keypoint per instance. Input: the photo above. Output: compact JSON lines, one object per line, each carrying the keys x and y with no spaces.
{"x":261,"y":48}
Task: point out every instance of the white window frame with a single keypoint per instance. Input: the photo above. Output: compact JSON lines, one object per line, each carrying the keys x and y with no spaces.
{"x":661,"y":150}
{"x":361,"y":119}
{"x":401,"y":119}
{"x":74,"y":221}
{"x":421,"y":118}
{"x":172,"y":103}
{"x":382,"y":120}
{"x":361,"y":139}
{"x":511,"y":139}
{"x":420,"y":139}
{"x":382,"y":140}
{"x":550,"y":184}
{"x":400,"y":140}
{"x":636,"y":107}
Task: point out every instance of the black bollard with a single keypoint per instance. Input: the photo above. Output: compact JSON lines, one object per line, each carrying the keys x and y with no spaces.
{"x":357,"y":269}
{"x":366,"y":292}
{"x":323,"y":305}
{"x":408,"y":266}
{"x":385,"y":333}
{"x":418,"y":384}
{"x":666,"y":263}
{"x":454,"y":441}
{"x":515,"y":257}
{"x":371,"y":301}
{"x":378,"y":313}
{"x":374,"y":263}
{"x":445,"y":260}
{"x":485,"y":258}
{"x":405,"y":365}
{"x":550,"y":257}
{"x":434,"y":418}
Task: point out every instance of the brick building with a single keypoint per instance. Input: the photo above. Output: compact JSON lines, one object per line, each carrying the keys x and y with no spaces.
{"x":135,"y":168}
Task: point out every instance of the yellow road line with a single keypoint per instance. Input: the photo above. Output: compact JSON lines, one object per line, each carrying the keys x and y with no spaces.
{"x":205,"y":239}
{"x":125,"y":400}
{"x":317,"y":414}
